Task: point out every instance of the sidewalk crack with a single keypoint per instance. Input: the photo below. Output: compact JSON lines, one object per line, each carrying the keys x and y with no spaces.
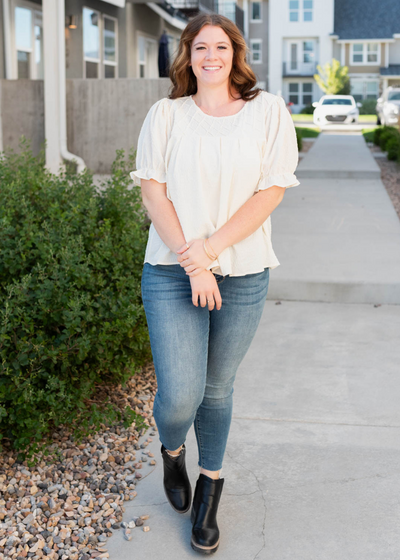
{"x":262,"y":496}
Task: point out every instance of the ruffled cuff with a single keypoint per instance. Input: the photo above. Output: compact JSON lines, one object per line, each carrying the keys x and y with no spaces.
{"x":283,"y":180}
{"x":146,"y":173}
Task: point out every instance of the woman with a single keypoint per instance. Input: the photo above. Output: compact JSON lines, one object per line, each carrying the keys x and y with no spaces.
{"x":213,"y":161}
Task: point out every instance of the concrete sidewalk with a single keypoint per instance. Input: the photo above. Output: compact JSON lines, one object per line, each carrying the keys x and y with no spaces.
{"x":337,"y":239}
{"x":312,"y":463}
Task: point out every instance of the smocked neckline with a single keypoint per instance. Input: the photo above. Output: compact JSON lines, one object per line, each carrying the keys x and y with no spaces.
{"x":212,"y":116}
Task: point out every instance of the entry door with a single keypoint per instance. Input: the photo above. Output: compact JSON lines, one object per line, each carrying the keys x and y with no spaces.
{"x":147,"y":57}
{"x":152,"y":57}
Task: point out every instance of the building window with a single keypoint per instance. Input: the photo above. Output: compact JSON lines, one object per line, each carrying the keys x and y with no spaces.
{"x":293,"y":56}
{"x":294,"y":93}
{"x":308,"y":51}
{"x":256,"y":12}
{"x":294,"y":10}
{"x":307,"y":10}
{"x":365,"y":53}
{"x":358,"y":55}
{"x":28,"y":42}
{"x":91,"y":43}
{"x":99,"y":61}
{"x":256,"y":51}
{"x":372,"y":52}
{"x":372,"y":90}
{"x":301,"y":93}
{"x":361,"y":89}
{"x":307,"y":93}
{"x":110,"y":47}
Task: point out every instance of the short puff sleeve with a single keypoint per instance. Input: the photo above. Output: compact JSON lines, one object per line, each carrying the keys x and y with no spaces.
{"x":281,"y":155}
{"x":152,"y":144}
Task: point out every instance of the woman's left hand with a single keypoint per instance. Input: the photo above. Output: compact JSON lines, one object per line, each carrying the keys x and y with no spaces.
{"x":194,"y":260}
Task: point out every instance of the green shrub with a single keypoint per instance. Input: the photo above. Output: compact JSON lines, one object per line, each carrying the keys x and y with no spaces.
{"x":368,"y":107}
{"x":393,"y":148}
{"x":307,"y":110}
{"x":369,"y":134}
{"x":299,"y":139}
{"x":377,"y":134}
{"x":387,"y":134}
{"x":70,"y":301}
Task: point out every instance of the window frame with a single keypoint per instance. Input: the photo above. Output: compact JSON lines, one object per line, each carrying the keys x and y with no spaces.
{"x":102,"y":63}
{"x":252,"y":42}
{"x":110,"y":62}
{"x":32,"y":65}
{"x":294,"y":11}
{"x":300,"y":93}
{"x":364,"y":94}
{"x":251,"y":11}
{"x":365,"y":53}
{"x":308,"y":10}
{"x":300,"y":11}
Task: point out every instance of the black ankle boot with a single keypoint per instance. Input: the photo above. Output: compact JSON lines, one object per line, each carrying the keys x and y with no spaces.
{"x":205,"y":532}
{"x":176,"y":481}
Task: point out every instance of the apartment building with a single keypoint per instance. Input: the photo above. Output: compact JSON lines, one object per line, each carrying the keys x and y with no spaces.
{"x":299,"y":39}
{"x":367,"y":39}
{"x":103,"y":38}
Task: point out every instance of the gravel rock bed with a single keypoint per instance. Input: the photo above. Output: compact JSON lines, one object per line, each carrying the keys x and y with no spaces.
{"x":67,"y":509}
{"x":390,"y":175}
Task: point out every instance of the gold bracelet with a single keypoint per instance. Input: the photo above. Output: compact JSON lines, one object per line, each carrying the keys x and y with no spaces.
{"x":208,"y":254}
{"x":212,"y":248}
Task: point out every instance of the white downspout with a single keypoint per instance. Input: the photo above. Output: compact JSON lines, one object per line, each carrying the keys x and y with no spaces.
{"x":65,"y":154}
{"x":7,"y":38}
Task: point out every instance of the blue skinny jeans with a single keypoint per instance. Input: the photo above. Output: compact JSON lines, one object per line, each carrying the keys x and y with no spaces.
{"x":196,"y":354}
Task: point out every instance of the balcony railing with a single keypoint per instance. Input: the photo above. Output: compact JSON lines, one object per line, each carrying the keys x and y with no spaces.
{"x":296,"y":68}
{"x":195,"y":5}
{"x":224,"y":7}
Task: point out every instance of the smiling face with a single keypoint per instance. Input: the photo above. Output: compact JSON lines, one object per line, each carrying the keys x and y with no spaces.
{"x":211,"y":56}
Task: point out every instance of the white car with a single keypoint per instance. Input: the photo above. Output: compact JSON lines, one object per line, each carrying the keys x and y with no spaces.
{"x":388,"y":106}
{"x":336,"y":109}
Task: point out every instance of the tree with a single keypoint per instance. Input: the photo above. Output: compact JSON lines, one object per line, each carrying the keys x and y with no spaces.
{"x":333,"y":78}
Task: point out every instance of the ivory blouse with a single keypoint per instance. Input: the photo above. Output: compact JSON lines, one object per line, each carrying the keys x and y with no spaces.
{"x":212,"y":166}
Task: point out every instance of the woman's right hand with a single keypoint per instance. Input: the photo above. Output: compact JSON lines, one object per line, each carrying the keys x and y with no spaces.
{"x":205,"y":286}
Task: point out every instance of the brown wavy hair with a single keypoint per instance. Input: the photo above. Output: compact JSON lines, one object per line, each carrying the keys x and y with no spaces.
{"x":241,"y":78}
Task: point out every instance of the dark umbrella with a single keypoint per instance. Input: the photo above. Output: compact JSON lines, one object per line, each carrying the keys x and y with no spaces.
{"x":163,"y":56}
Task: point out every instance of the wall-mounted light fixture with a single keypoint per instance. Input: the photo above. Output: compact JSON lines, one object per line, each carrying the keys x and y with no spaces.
{"x":71,"y":22}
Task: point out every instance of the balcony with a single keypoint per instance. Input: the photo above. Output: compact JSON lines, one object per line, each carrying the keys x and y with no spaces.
{"x":224,"y":7}
{"x":232,"y":11}
{"x":296,"y":69}
{"x":193,"y":7}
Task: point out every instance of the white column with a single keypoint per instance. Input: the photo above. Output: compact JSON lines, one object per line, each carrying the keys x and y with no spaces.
{"x":51,"y":85}
{"x":342,"y":53}
{"x":387,"y":55}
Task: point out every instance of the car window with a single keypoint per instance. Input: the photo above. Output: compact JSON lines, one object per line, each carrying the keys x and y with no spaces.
{"x":336,"y":102}
{"x":394,"y":95}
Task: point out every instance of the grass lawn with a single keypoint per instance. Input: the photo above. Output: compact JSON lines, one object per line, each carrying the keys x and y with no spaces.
{"x":367,"y":119}
{"x":309,"y":118}
{"x":368,"y":134}
{"x":302,"y":118}
{"x":308,"y":132}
